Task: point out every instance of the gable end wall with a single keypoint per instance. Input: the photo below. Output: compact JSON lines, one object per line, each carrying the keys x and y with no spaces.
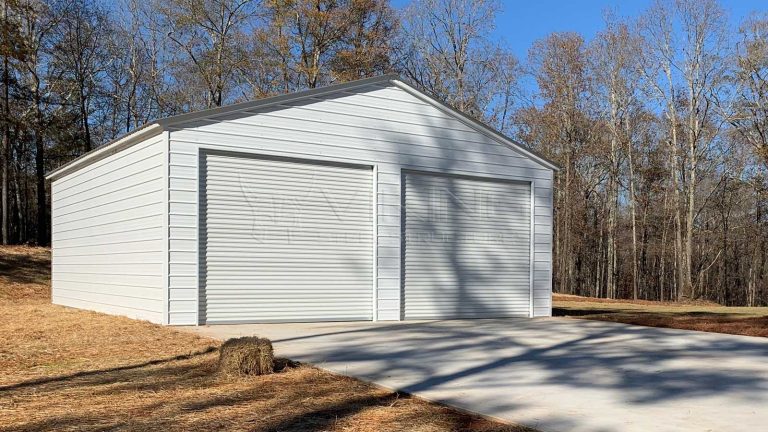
{"x":379,"y":125}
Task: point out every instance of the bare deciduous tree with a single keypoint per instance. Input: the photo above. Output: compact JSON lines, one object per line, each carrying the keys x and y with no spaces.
{"x":567,"y":134}
{"x":445,"y":48}
{"x":211,"y":34}
{"x":686,"y":43}
{"x":614,"y":68}
{"x":748,"y":110}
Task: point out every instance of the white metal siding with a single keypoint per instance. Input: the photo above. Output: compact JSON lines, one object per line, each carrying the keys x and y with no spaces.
{"x":380,"y":125}
{"x":282,"y":240}
{"x":542,"y":247}
{"x":108,"y":234}
{"x":467,"y":248}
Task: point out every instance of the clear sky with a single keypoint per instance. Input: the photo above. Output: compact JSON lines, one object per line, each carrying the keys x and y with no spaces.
{"x":524,"y":21}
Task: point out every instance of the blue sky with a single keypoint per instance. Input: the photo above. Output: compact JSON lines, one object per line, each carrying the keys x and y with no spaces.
{"x":524,"y":21}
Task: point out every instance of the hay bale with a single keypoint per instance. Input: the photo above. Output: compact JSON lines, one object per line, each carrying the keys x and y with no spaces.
{"x":246,"y":356}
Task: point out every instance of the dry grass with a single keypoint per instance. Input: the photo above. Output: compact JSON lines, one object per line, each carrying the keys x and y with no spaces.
{"x":25,"y":273}
{"x":701,"y":316}
{"x":66,"y":369}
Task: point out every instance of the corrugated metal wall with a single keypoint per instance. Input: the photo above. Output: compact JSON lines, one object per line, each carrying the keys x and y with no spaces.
{"x":109,"y":234}
{"x":377,"y":124}
{"x":467,"y":248}
{"x":282,"y":240}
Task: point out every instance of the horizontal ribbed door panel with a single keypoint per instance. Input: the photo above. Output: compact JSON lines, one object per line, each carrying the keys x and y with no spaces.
{"x":467,"y":248}
{"x":283,"y":240}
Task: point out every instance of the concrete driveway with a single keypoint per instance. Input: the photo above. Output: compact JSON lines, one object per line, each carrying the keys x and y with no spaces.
{"x":552,"y":374}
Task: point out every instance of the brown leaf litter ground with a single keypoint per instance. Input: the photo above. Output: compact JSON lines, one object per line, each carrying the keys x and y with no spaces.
{"x":68,"y":369}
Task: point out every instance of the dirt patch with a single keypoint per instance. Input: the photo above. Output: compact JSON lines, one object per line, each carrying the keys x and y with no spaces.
{"x":743,"y":326}
{"x":687,"y":316}
{"x":579,"y":299}
{"x":68,"y":369}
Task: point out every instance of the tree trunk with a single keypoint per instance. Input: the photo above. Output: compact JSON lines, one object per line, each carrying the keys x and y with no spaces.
{"x":632,"y":213}
{"x":42,"y":208}
{"x":21,"y":228}
{"x":6,"y":147}
{"x":613,"y":201}
{"x":85,"y":120}
{"x":688,"y":291}
{"x":681,"y":286}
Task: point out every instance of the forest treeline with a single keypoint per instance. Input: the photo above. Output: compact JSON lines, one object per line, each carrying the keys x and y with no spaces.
{"x":660,"y":122}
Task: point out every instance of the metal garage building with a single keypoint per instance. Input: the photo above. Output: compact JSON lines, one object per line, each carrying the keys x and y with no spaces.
{"x":366,"y":200}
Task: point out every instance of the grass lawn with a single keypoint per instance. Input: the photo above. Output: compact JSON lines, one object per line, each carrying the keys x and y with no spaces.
{"x":697,"y":316}
{"x":67,"y":369}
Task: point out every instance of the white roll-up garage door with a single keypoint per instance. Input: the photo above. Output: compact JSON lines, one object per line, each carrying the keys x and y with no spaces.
{"x":283,"y":240}
{"x":467,"y":248}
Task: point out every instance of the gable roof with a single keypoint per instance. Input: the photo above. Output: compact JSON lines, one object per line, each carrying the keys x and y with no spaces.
{"x":156,"y":127}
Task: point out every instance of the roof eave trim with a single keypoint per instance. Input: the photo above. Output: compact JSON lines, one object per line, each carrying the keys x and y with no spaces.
{"x":176,"y":120}
{"x":477,"y":125}
{"x":150,"y":129}
{"x":147,"y":131}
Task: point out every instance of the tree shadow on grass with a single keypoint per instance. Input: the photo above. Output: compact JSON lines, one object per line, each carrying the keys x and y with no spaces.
{"x":186,"y":393}
{"x":100,"y":373}
{"x":25,"y":268}
{"x":575,"y":311}
{"x":566,"y":312}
